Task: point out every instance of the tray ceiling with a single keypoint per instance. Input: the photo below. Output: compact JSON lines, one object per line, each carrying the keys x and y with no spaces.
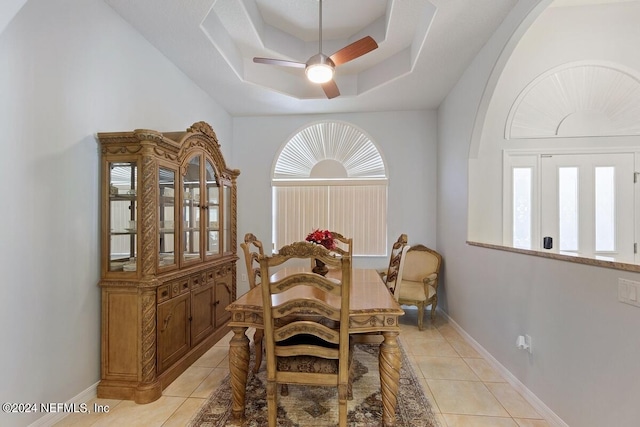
{"x":424,"y":46}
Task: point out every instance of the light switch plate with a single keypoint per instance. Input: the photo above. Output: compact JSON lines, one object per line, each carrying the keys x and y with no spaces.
{"x":629,"y":292}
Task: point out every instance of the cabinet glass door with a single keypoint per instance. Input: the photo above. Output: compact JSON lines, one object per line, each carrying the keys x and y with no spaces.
{"x":166,"y":217}
{"x":123,"y":203}
{"x":227,"y":218}
{"x":191,"y":207}
{"x":213,"y":210}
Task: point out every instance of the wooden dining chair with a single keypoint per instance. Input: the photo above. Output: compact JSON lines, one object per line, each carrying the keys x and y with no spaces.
{"x":252,"y":249}
{"x":344,"y":245}
{"x":300,"y":348}
{"x":396,"y":262}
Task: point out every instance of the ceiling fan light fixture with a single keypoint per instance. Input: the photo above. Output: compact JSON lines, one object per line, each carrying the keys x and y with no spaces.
{"x":320,"y":68}
{"x":319,"y":73}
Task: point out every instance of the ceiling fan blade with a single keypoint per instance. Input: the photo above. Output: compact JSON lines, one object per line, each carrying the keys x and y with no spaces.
{"x":330,"y":89}
{"x":281,"y":62}
{"x":354,"y":50}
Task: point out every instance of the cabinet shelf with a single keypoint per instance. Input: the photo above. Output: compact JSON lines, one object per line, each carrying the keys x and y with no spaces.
{"x":123,"y":197}
{"x":123,"y":233}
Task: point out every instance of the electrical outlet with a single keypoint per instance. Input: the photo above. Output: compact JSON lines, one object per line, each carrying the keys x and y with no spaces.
{"x":527,"y":341}
{"x":243,"y":277}
{"x":524,"y":342}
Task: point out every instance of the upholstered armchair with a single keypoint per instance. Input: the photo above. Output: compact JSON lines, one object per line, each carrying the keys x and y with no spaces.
{"x":417,"y":282}
{"x":396,"y":260}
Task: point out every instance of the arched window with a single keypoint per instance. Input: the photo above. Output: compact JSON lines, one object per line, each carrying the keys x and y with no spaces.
{"x":330,"y":175}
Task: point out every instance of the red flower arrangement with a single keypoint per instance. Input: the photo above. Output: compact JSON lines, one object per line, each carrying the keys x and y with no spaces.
{"x":322,"y":237}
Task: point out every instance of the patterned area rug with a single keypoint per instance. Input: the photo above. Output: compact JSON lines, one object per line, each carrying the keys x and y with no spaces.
{"x":318,"y":406}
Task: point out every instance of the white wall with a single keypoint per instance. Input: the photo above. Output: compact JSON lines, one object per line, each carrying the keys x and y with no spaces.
{"x":8,"y":9}
{"x":406,"y":140}
{"x":584,"y":364}
{"x":70,"y":68}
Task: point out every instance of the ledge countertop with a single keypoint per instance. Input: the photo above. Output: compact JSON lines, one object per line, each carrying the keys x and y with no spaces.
{"x":563,"y":257}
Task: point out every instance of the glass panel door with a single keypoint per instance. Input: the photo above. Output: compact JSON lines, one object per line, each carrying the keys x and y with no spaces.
{"x":123,"y":200}
{"x":522,"y":207}
{"x":587,"y":204}
{"x":226,"y":236}
{"x":213,"y":210}
{"x":166,"y":217}
{"x":191,"y":211}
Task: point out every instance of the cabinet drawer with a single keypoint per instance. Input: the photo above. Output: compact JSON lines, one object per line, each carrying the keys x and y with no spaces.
{"x":179,"y":287}
{"x":210,"y":276}
{"x":164,"y":293}
{"x":197,"y":280}
{"x":218,"y":273}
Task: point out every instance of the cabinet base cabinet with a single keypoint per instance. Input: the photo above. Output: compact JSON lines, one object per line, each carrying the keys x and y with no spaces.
{"x":152,"y":334}
{"x":141,"y":392}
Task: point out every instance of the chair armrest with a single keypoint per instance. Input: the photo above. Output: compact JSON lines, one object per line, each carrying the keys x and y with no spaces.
{"x":430,"y":279}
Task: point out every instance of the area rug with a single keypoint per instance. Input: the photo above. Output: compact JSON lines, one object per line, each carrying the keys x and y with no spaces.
{"x":318,"y":406}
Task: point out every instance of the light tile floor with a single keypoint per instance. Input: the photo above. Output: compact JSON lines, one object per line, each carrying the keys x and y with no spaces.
{"x":464,"y":389}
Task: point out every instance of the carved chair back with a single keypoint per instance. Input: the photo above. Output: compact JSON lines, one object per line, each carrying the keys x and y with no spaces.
{"x":251,"y":258}
{"x":344,"y":245}
{"x":396,"y":262}
{"x":300,"y":348}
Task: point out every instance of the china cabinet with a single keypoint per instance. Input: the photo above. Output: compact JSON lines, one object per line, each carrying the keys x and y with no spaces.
{"x":168,"y":245}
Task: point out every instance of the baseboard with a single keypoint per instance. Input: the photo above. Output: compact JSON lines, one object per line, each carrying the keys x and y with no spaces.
{"x":53,"y":418}
{"x":551,"y":417}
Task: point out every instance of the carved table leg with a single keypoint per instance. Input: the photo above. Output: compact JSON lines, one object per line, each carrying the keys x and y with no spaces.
{"x":239,"y":368}
{"x":389,"y":376}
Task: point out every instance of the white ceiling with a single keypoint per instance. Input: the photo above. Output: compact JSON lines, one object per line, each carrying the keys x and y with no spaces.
{"x":424,"y":46}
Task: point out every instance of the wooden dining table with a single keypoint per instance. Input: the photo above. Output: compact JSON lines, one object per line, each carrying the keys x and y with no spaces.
{"x":372,"y":309}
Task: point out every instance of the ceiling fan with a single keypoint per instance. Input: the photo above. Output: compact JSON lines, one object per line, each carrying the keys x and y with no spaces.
{"x":320,"y":68}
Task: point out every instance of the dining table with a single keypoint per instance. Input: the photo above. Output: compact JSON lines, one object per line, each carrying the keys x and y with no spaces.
{"x":372,"y":310}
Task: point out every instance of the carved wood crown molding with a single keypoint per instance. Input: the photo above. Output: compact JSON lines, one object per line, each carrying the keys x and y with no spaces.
{"x":171,"y":145}
{"x":121,"y":149}
{"x":149,"y":135}
{"x":204,"y":128}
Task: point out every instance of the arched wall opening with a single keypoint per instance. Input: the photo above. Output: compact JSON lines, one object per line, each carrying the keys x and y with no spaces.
{"x":568,"y":81}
